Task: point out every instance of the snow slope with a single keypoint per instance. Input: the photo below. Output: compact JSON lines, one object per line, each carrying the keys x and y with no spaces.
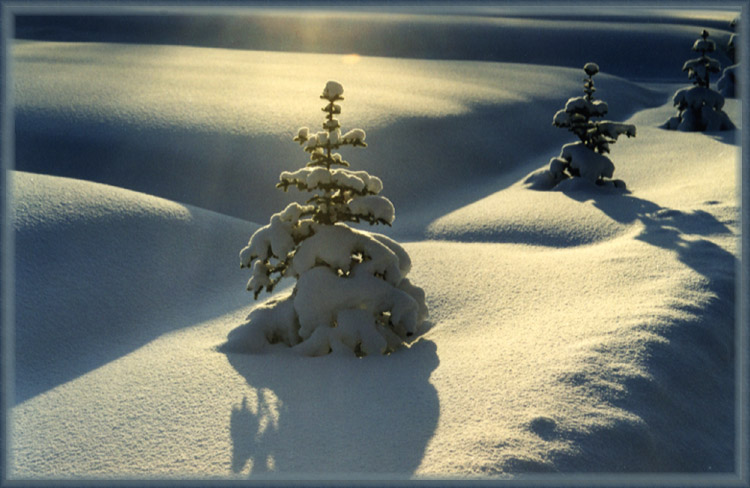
{"x":577,"y":331}
{"x":157,"y":119}
{"x":100,"y":268}
{"x":573,"y":34}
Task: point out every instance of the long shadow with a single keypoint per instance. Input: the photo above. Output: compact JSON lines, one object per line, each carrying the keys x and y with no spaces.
{"x":334,"y":416}
{"x":689,"y":399}
{"x":478,"y":152}
{"x":232,"y":173}
{"x":727,"y":137}
{"x":87,"y":293}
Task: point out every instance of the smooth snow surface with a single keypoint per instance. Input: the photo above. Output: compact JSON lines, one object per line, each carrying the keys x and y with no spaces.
{"x":101,"y":271}
{"x":581,"y":330}
{"x":160,"y":119}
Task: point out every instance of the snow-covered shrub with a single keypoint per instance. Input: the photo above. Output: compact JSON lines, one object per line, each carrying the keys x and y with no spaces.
{"x":727,"y":84}
{"x":699,"y":107}
{"x":586,"y":158}
{"x":352,"y":294}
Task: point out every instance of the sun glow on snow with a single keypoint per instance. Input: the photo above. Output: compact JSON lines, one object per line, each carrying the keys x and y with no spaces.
{"x":350,"y":58}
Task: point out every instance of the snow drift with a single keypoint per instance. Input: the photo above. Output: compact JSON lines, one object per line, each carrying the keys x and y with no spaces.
{"x":99,"y":269}
{"x":177,"y":131}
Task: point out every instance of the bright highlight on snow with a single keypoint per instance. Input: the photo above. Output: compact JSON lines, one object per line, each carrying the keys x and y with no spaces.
{"x":352,"y":295}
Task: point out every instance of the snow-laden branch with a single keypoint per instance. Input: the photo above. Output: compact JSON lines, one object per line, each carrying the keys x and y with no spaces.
{"x":585,"y":159}
{"x":352,"y":295}
{"x":699,"y":108}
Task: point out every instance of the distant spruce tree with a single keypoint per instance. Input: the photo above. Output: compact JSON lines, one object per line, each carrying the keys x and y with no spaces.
{"x":727,"y":84}
{"x":352,"y":294}
{"x":586,"y":159}
{"x":699,"y":107}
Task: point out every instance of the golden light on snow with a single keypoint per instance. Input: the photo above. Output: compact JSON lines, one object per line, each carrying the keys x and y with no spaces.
{"x":350,"y":58}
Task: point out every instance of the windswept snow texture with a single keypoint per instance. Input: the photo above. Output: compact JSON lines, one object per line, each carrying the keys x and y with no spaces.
{"x":584,"y":330}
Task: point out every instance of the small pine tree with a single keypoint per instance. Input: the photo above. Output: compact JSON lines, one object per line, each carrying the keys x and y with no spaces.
{"x":699,"y":107}
{"x":727,"y":84}
{"x":586,"y":158}
{"x":352,"y":294}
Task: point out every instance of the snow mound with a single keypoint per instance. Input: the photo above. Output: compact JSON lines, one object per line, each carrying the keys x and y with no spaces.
{"x":699,"y":110}
{"x":102,"y":270}
{"x":369,"y":306}
{"x":582,"y":213}
{"x":534,"y":218}
{"x":622,"y":339}
{"x":589,"y":164}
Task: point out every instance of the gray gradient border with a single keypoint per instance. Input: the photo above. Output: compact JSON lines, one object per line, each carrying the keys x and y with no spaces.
{"x":8,"y":11}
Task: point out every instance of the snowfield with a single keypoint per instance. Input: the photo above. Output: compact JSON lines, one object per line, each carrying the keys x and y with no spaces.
{"x":580,"y":331}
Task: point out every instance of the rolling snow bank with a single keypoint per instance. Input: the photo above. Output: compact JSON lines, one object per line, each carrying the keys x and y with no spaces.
{"x":160,"y":120}
{"x":619,"y":360}
{"x":580,"y":213}
{"x":549,"y":35}
{"x":100,"y":269}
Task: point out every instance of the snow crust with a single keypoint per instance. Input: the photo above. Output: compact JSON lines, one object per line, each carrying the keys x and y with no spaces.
{"x":101,"y":271}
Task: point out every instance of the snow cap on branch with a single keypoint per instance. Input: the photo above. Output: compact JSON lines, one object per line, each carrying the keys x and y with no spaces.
{"x":373,"y":207}
{"x":704,"y":44}
{"x":586,"y":159}
{"x":352,"y":295}
{"x":302,"y":134}
{"x":355,"y":136}
{"x":333,"y":91}
{"x":591,"y":68}
{"x":699,"y":108}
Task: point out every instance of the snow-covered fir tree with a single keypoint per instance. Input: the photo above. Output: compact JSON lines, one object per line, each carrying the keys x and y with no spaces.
{"x":586,"y":158}
{"x":352,"y":294}
{"x":699,"y":107}
{"x":727,"y":84}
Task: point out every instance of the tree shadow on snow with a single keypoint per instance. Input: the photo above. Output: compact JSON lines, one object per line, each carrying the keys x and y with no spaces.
{"x":333,"y":415}
{"x":731,"y":137}
{"x":688,"y":398}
